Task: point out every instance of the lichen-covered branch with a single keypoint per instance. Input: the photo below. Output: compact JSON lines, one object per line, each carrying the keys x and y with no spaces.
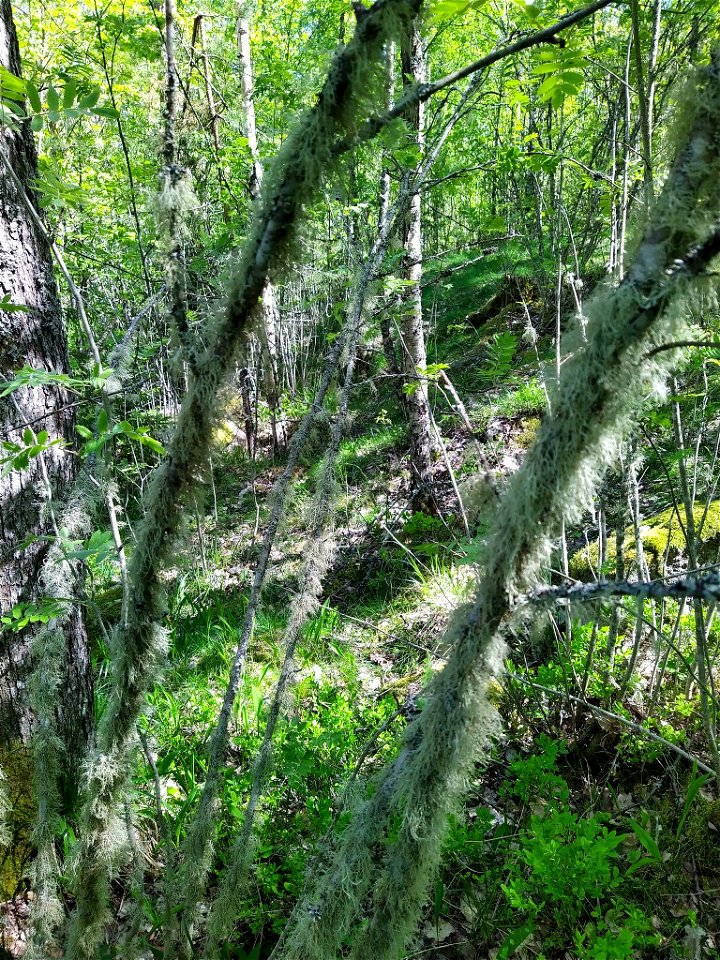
{"x":704,"y":587}
{"x":139,"y":642}
{"x":183,"y":890}
{"x":320,"y":555}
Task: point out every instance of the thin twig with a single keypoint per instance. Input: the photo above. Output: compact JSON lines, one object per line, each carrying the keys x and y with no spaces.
{"x":609,"y":715}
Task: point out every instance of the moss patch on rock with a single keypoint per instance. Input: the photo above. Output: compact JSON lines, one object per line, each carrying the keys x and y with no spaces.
{"x":663,"y":537}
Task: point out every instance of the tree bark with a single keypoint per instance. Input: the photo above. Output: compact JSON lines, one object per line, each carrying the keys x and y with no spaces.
{"x":412,"y":349}
{"x":34,"y":336}
{"x":269,"y":314}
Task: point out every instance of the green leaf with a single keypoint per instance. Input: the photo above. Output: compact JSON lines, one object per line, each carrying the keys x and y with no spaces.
{"x":438,"y":902}
{"x":646,"y":840}
{"x":446,"y":9}
{"x":69,"y":94}
{"x":11,"y":87}
{"x":7,"y":117}
{"x":109,"y":112}
{"x":53,"y":98}
{"x":17,"y":109}
{"x":696,"y":784}
{"x":33,"y":95}
{"x":36,"y":124}
{"x":90,"y":99}
{"x":639,"y":864}
{"x":83,"y":431}
{"x":514,"y":940}
{"x":152,"y":443}
{"x":552,"y":67}
{"x":9,"y":307}
{"x":102,"y":421}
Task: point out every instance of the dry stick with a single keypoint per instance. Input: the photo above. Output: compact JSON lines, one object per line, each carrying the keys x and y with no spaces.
{"x":139,"y":642}
{"x":618,"y":719}
{"x":597,"y":397}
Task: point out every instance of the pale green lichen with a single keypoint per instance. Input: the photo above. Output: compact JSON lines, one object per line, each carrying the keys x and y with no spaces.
{"x":59,"y":579}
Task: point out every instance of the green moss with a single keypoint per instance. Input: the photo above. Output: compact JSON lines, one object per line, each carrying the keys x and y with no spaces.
{"x":701,"y":832}
{"x":16,"y":764}
{"x":528,"y":432}
{"x":663,"y":539}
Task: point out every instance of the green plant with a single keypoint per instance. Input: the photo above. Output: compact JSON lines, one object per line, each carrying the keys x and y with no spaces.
{"x":500,"y":352}
{"x":565,"y":863}
{"x":536,"y":777}
{"x":40,"y":611}
{"x":18,"y":455}
{"x":567,"y":876}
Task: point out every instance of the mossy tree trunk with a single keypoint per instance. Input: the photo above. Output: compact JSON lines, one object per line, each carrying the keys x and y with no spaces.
{"x":35,"y":336}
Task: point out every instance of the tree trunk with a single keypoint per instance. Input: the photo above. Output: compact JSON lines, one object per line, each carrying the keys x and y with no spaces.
{"x":267,"y":327}
{"x":385,"y":328}
{"x":33,"y":336}
{"x":414,"y":358}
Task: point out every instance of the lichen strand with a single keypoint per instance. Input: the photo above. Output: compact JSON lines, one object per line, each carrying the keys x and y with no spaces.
{"x":297,"y":173}
{"x":603,"y":384}
{"x":320,"y":553}
{"x":59,"y":579}
{"x":663,"y":541}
